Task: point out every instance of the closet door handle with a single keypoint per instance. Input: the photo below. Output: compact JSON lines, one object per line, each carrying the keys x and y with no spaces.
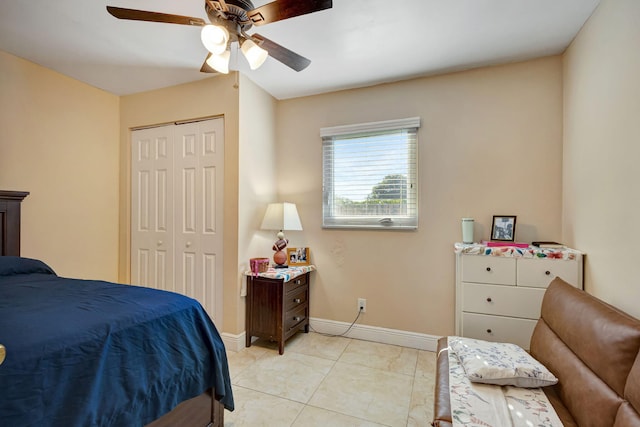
{"x":488,"y":331}
{"x":488,"y":268}
{"x":188,"y":244}
{"x":489,"y":299}
{"x":160,"y":242}
{"x":547,"y":272}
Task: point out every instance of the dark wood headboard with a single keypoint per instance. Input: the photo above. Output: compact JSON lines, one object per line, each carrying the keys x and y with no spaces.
{"x":10,"y":221}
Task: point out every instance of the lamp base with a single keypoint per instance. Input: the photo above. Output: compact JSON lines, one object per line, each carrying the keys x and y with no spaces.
{"x":280,"y":259}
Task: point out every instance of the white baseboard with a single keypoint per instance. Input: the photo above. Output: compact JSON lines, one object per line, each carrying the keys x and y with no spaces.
{"x":377,"y":334}
{"x":362,"y":332}
{"x":233,"y":342}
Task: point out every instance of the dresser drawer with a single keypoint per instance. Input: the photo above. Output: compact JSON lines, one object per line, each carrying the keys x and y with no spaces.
{"x":489,"y":269}
{"x":293,"y":318}
{"x":498,"y":329}
{"x":540,"y":272}
{"x":293,"y":284}
{"x":502,"y":300}
{"x":296,"y":298}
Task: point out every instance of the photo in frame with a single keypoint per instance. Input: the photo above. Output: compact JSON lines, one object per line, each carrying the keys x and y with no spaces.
{"x":503,"y":228}
{"x":298,"y":256}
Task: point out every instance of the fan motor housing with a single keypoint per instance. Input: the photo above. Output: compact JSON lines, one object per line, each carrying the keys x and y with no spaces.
{"x":236,"y":15}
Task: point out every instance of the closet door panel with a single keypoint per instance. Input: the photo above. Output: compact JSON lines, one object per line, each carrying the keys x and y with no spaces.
{"x":198,"y":163}
{"x":211,"y":219}
{"x":152,"y":208}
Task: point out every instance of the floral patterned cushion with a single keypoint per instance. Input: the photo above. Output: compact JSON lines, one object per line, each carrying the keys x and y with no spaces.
{"x":500,"y":363}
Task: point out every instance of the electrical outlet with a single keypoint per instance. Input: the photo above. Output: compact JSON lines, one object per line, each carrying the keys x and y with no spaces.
{"x":362,"y":305}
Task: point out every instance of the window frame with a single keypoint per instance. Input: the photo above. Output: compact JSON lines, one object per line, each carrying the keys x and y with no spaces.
{"x":373,"y":222}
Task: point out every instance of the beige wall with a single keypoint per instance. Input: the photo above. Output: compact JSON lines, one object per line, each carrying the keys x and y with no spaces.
{"x":601,"y":195}
{"x":257,"y":179}
{"x":59,"y":141}
{"x":215,"y":96}
{"x":490,"y":144}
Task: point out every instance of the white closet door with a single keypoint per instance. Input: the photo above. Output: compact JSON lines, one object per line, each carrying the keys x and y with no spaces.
{"x":152,"y":208}
{"x":177,"y":217}
{"x":198,"y":163}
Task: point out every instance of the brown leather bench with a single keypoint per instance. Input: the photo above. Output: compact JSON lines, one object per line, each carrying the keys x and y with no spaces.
{"x":590,"y":346}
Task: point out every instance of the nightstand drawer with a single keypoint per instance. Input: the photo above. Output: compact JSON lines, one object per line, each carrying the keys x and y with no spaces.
{"x":294,"y":317}
{"x":296,"y":298}
{"x":294,"y":284}
{"x":498,"y":329}
{"x":540,"y":272}
{"x":488,"y":269}
{"x":502,"y":300}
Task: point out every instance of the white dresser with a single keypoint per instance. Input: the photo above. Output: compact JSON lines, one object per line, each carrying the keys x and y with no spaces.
{"x":499,"y":290}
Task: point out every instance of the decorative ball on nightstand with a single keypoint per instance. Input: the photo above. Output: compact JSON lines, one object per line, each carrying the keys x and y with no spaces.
{"x":280,"y":257}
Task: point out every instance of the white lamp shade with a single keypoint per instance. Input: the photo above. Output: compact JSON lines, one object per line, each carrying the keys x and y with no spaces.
{"x":220,"y":63}
{"x":214,"y":38}
{"x":281,"y":216}
{"x":255,"y":54}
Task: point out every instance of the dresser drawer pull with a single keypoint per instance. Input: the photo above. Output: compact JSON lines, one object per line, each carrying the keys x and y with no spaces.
{"x":297,"y":300}
{"x":488,"y":268}
{"x":488,"y":331}
{"x":547,"y":272}
{"x":297,"y":318}
{"x":298,"y":282}
{"x":489,"y":299}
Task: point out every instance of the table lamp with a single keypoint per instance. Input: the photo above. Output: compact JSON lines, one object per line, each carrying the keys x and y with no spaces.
{"x":281,"y":216}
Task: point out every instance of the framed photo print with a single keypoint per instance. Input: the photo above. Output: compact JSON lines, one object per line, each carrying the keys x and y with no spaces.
{"x":503,"y":228}
{"x":298,"y":256}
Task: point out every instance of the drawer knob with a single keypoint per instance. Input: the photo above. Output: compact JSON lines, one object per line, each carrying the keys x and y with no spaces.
{"x":297,"y":300}
{"x":547,"y":272}
{"x":297,"y":318}
{"x":489,"y":299}
{"x":488,"y":331}
{"x":488,"y":268}
{"x":298,"y":282}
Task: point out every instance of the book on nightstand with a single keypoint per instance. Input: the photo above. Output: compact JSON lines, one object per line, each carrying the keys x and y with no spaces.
{"x":548,"y":245}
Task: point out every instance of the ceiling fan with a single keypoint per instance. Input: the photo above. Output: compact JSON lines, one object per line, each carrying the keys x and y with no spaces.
{"x":230,"y":21}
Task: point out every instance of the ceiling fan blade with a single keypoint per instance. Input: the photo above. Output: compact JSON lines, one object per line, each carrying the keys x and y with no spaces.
{"x":143,"y":15}
{"x":284,"y":9}
{"x":206,"y":68}
{"x":282,"y":54}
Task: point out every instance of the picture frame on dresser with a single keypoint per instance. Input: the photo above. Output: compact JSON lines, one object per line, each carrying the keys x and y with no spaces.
{"x":503,"y":228}
{"x":298,"y":256}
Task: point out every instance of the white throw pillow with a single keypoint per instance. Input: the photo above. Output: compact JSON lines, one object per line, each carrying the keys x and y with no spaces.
{"x":500,"y":363}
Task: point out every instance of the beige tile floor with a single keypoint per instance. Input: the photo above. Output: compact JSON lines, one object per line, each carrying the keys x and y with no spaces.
{"x":331,"y":381}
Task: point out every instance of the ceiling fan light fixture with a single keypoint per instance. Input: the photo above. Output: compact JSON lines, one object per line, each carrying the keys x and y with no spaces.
{"x":214,"y":38}
{"x":255,"y":54}
{"x":220,"y":62}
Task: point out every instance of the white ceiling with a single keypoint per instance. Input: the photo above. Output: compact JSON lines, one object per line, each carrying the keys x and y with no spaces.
{"x":356,"y":43}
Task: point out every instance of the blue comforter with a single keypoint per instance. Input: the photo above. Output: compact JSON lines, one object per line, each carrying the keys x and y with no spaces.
{"x":92,"y":353}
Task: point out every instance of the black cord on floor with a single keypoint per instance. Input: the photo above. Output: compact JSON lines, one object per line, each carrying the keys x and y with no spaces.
{"x":342,"y":334}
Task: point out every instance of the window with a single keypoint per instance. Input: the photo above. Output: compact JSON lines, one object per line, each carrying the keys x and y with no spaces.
{"x":370,"y":175}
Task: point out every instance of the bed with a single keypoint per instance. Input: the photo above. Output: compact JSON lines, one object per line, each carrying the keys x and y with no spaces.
{"x":94,"y":353}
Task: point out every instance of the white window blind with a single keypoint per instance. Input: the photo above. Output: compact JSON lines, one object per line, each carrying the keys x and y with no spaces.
{"x":370,"y":175}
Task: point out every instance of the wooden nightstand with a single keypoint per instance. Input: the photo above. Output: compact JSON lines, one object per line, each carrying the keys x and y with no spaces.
{"x":277,"y":307}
